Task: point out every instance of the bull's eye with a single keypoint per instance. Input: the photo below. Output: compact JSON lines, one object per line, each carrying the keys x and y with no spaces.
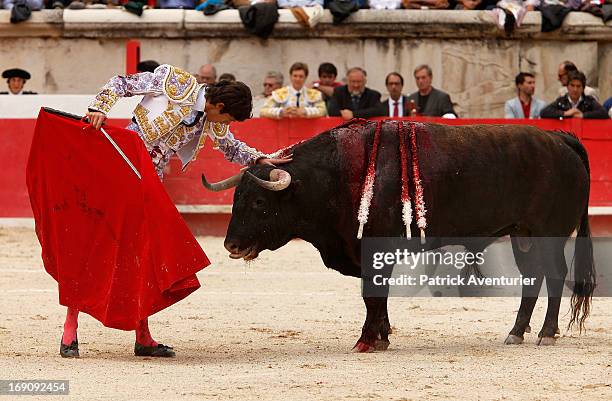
{"x":259,"y":203}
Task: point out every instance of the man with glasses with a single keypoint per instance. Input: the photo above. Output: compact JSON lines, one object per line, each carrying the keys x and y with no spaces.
{"x":272,"y":81}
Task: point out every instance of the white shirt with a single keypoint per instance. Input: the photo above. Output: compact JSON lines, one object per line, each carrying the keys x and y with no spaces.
{"x":574,"y":105}
{"x":400,"y":107}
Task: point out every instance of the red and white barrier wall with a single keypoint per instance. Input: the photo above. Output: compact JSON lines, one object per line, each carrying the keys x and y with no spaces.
{"x":207,"y":212}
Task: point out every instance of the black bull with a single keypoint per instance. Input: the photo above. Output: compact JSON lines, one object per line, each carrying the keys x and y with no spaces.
{"x":478,"y":181}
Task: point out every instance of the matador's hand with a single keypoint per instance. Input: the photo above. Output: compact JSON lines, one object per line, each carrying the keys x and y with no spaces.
{"x":96,"y":119}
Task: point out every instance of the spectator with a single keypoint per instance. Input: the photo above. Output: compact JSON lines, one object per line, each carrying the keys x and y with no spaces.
{"x":608,"y":106}
{"x":306,"y":12}
{"x":147,"y":66}
{"x":272,"y":81}
{"x":429,"y":100}
{"x":207,"y":74}
{"x":227,"y":77}
{"x":575,"y":104}
{"x":327,"y":81}
{"x":34,"y":5}
{"x":295,"y":100}
{"x":16,"y":79}
{"x":524,"y":105}
{"x":420,"y":4}
{"x":385,"y":4}
{"x":467,"y":4}
{"x":397,"y":105}
{"x":354,"y":99}
{"x":564,"y":69}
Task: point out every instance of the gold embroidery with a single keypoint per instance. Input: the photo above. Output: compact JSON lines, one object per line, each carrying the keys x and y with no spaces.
{"x":105,"y":100}
{"x":219,"y":130}
{"x":163,"y":124}
{"x":200,"y":146}
{"x":140,"y":114}
{"x":179,"y":84}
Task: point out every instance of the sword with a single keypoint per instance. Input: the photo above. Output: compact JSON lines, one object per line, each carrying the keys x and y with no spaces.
{"x":118,"y":149}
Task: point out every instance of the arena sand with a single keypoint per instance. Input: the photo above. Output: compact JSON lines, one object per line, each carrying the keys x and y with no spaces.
{"x":281,"y":328}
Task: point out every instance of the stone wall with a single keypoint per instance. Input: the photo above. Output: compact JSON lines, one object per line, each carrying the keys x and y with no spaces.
{"x":75,"y":51}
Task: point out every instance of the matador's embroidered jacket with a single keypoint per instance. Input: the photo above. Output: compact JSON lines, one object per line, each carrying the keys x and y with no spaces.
{"x":310,"y":100}
{"x":165,"y":117}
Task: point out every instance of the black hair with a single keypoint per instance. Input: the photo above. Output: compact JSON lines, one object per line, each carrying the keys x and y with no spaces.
{"x":569,"y":66}
{"x":235,"y":96}
{"x":226,"y":76}
{"x":520,"y":78}
{"x":576,"y":76}
{"x":328,"y":68}
{"x":397,"y":74}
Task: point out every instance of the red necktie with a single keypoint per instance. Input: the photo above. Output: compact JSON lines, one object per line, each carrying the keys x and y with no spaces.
{"x":395,"y":109}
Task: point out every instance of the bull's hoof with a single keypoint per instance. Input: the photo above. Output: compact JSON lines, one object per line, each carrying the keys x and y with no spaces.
{"x":528,"y":329}
{"x":558,"y":332}
{"x":513,"y":340}
{"x":546,"y":341}
{"x":362,"y":347}
{"x":381,"y":345}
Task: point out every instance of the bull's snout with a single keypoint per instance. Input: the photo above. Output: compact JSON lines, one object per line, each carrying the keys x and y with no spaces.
{"x":231,"y":246}
{"x":238,"y":251}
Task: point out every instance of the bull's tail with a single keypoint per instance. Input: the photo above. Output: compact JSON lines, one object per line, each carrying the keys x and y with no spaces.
{"x":584,"y":265}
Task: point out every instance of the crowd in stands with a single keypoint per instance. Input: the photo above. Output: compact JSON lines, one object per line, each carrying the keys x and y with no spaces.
{"x":352,"y":98}
{"x":259,"y":16}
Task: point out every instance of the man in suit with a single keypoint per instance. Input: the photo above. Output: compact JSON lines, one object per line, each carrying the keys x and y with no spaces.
{"x":16,"y":79}
{"x":524,"y":105}
{"x":397,"y":105}
{"x":354,"y":99}
{"x":429,"y":100}
{"x":564,"y":69}
{"x":576,"y":103}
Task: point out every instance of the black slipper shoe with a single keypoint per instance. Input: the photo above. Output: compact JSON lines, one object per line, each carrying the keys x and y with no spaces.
{"x":69,"y":351}
{"x":160,"y":351}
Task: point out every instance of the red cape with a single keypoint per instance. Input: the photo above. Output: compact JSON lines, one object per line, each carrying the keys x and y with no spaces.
{"x":115,"y":244}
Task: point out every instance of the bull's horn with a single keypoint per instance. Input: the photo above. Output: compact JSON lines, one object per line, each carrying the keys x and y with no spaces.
{"x":222,"y":185}
{"x":279,"y":180}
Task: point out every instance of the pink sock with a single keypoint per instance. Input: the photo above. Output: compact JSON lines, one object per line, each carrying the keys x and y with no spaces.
{"x":70,"y":326}
{"x":143,"y":335}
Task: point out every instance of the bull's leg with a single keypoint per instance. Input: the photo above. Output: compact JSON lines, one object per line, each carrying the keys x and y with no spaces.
{"x":375,"y":333}
{"x":526,"y":260}
{"x":555,"y":271}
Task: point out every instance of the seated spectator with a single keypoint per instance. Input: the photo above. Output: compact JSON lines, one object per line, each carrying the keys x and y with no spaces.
{"x":207,"y":74}
{"x":354,"y":99}
{"x":608,"y":106}
{"x":227,"y":77}
{"x":295,"y":100}
{"x":429,"y":100}
{"x":575,"y":104}
{"x":565,"y":68}
{"x":16,"y":79}
{"x":468,"y":4}
{"x":385,"y":4}
{"x":327,"y":80}
{"x":186,"y":4}
{"x":424,"y":4}
{"x":524,"y":105}
{"x":397,"y":105}
{"x":306,"y":12}
{"x":272,"y":81}
{"x":509,"y":14}
{"x":34,"y":5}
{"x":147,"y":66}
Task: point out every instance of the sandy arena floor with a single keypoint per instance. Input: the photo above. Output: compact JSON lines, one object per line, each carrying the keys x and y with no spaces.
{"x":282,"y":328}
